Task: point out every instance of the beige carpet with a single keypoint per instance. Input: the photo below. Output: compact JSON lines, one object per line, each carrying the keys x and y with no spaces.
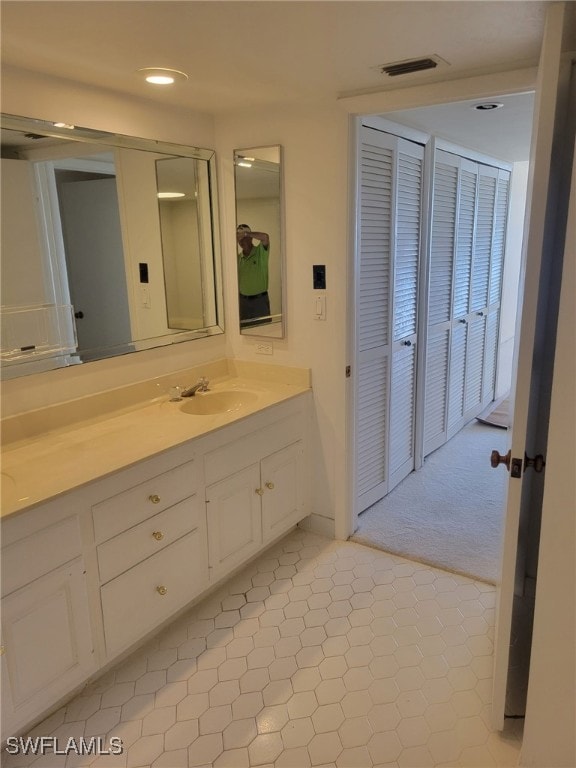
{"x":449,"y":514}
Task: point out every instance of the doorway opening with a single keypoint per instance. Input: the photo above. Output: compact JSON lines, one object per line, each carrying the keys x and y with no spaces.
{"x":449,"y":509}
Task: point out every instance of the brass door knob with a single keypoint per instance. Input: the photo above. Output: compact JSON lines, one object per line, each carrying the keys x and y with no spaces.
{"x":537,"y":463}
{"x":161,"y":590}
{"x":154,"y":498}
{"x":497,"y":458}
{"x":260,"y":491}
{"x":270,"y":486}
{"x":158,"y":535}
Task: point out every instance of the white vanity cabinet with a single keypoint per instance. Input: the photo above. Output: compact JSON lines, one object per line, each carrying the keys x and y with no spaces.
{"x":47,"y":648}
{"x":89,"y":575}
{"x":256,"y":490}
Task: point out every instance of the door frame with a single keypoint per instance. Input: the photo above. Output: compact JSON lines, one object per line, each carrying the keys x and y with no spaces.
{"x":362,"y":108}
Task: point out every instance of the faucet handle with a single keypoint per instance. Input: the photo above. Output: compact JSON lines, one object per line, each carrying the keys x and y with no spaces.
{"x":204,"y":382}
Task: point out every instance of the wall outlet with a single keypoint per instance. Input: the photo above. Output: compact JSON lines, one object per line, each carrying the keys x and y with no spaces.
{"x":264,"y":348}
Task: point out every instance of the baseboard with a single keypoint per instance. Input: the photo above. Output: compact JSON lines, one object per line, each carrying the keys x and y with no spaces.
{"x":324,"y":526}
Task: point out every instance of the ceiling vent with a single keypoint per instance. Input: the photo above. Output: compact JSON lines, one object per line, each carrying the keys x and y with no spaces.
{"x":410,"y":65}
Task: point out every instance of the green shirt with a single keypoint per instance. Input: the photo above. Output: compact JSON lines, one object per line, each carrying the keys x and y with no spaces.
{"x":253,"y":271}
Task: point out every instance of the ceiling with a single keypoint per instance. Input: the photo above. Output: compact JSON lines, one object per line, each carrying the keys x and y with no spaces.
{"x":243,"y":55}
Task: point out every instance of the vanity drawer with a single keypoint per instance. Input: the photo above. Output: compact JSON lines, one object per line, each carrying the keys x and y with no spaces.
{"x":239,"y":454}
{"x":132,"y":506}
{"x":140,"y":599}
{"x":127,"y":549}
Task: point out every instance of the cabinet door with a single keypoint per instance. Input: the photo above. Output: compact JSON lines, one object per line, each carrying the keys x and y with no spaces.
{"x":234,"y":520}
{"x":47,"y":644}
{"x":282,"y":498}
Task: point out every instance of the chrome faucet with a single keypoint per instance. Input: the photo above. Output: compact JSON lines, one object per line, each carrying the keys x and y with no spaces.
{"x":200,"y":386}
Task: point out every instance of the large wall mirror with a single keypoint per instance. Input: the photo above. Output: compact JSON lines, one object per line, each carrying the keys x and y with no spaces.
{"x":110,"y":244}
{"x":259,"y":237}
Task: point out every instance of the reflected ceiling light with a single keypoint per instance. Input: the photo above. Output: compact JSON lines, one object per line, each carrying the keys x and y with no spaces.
{"x":162,"y":75}
{"x":64,"y":125}
{"x":244,"y":164}
{"x":487,"y":106}
{"x":170,"y":195}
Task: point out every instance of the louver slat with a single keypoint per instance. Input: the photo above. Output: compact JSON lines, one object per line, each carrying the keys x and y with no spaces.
{"x":475,"y":365}
{"x":489,"y":377}
{"x":442,"y":242}
{"x":402,"y":411}
{"x":465,"y":239}
{"x":407,"y":245}
{"x":372,"y":424}
{"x":457,"y":375}
{"x":499,"y":240}
{"x":436,"y":388}
{"x":375,"y":228}
{"x":483,"y":241}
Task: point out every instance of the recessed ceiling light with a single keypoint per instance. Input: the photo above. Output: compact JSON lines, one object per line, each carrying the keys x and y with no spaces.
{"x":162,"y":75}
{"x":486,"y":106}
{"x":170,"y":195}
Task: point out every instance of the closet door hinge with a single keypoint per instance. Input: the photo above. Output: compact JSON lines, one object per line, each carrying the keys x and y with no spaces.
{"x":348,"y":371}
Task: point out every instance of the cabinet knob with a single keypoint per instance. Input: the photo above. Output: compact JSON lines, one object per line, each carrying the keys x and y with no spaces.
{"x":154,"y":499}
{"x":158,"y":535}
{"x":161,"y":590}
{"x":270,"y":486}
{"x":260,"y":491}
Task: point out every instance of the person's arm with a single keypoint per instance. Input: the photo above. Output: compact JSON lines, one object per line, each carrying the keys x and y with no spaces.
{"x":263,"y":237}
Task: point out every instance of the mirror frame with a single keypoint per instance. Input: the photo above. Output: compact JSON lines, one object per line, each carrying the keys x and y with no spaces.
{"x":91,"y":136}
{"x":276,"y":330}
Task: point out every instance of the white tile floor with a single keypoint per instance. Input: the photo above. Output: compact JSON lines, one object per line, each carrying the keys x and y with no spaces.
{"x":320,"y":653}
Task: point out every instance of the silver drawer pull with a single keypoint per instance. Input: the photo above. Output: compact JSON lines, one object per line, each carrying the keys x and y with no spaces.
{"x":270,"y":486}
{"x":158,"y":535}
{"x":161,"y":590}
{"x":154,"y":499}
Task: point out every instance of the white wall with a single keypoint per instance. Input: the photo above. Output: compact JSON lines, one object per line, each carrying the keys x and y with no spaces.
{"x":511,"y":277}
{"x":23,"y":275}
{"x":315,"y":147}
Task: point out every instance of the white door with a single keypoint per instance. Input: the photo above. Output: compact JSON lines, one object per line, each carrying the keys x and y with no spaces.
{"x":468,"y":232}
{"x":95,"y":262}
{"x":535,"y":347}
{"x":234,"y":520}
{"x":281,"y":483}
{"x":389,"y":253}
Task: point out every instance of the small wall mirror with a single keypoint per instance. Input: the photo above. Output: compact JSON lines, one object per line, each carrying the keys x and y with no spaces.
{"x":259,"y":238}
{"x":109,"y":245}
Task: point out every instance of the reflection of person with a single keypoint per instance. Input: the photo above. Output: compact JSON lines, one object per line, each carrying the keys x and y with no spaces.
{"x":253,"y":276}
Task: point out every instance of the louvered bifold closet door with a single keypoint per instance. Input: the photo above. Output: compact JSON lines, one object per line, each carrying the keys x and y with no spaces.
{"x":442,"y":245}
{"x":389,"y":249}
{"x":376,"y":164}
{"x":406,"y":262}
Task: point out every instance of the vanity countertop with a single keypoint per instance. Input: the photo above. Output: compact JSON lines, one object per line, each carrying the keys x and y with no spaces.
{"x":43,"y":466}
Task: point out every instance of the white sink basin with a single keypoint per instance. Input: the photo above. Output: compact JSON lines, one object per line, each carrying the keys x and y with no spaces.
{"x":210,"y":403}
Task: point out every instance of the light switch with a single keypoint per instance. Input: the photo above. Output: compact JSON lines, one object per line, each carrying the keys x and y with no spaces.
{"x":320,"y":307}
{"x":145,"y":296}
